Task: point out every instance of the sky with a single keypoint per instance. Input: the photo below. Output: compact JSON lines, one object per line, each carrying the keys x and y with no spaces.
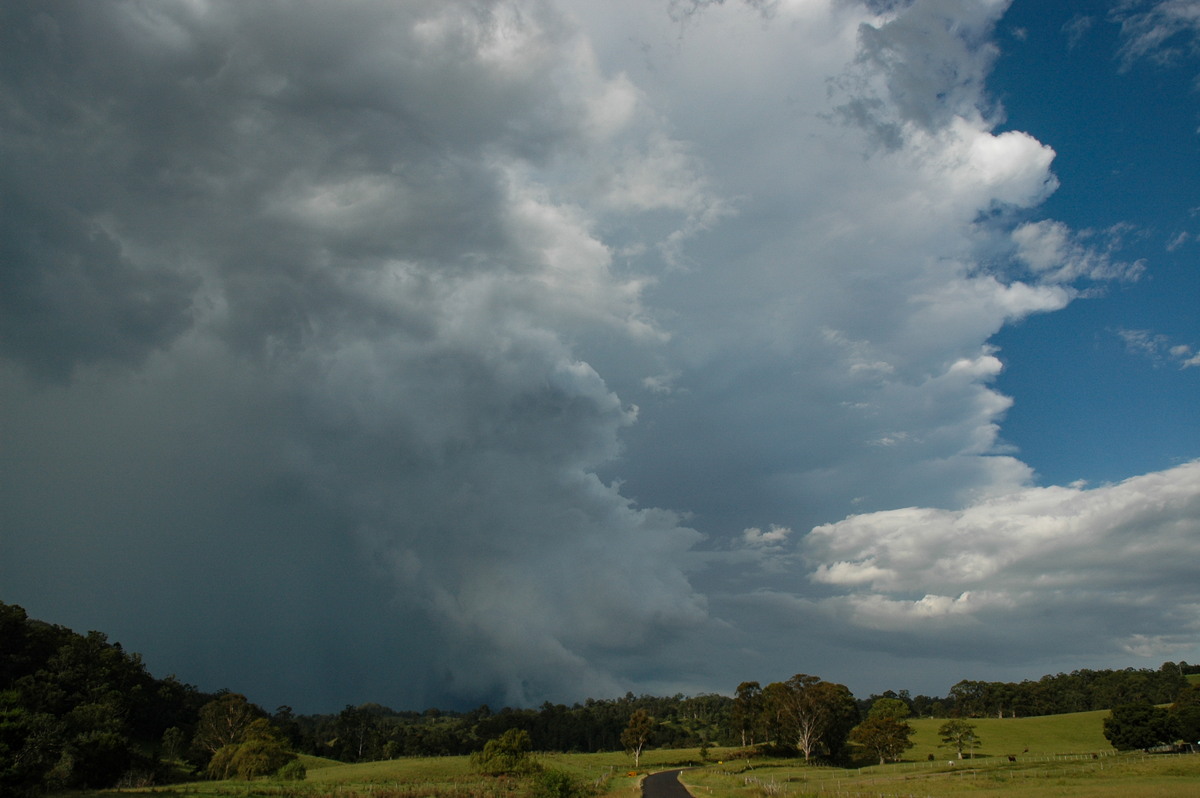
{"x":441,"y":353}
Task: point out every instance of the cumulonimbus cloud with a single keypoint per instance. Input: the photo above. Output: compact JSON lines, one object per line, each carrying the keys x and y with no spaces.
{"x":506,"y":326}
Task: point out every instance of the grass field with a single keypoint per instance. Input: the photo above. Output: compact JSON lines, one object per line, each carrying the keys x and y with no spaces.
{"x":1080,"y":732}
{"x":1067,"y":757}
{"x":1109,"y":776}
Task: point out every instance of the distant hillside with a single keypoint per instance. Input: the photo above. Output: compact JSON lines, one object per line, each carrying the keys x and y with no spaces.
{"x":1077,"y":732}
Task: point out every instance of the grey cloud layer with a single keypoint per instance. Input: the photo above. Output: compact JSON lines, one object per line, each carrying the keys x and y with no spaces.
{"x":386,"y":327}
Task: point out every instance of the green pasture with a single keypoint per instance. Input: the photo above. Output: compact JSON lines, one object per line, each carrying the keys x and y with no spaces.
{"x":1067,"y":757}
{"x":1078,"y":732}
{"x":425,"y":777}
{"x":1064,"y":776}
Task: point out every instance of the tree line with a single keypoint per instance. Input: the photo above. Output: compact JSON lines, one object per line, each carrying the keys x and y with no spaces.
{"x":1078,"y":691}
{"x":78,"y":711}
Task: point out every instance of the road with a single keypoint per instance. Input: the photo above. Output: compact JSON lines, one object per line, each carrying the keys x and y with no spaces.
{"x":664,"y":785}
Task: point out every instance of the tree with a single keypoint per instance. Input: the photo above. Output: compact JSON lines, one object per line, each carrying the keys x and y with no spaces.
{"x":357,"y":730}
{"x":885,"y":737}
{"x":92,"y":759}
{"x":815,"y":715}
{"x":506,"y":755}
{"x":1132,"y":726}
{"x":772,"y":713}
{"x":971,"y":698}
{"x":889,"y":708}
{"x":1186,"y":712}
{"x":637,"y":734}
{"x":284,"y":721}
{"x":747,"y":706}
{"x":959,"y":735}
{"x":259,"y":751}
{"x":29,"y":746}
{"x":172,"y":743}
{"x":222,"y":722}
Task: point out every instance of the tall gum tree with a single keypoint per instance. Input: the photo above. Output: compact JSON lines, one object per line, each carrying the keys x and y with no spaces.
{"x":815,"y":715}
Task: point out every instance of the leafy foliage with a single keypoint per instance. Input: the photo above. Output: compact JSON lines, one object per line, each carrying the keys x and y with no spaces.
{"x":813,"y":715}
{"x":222,"y":722}
{"x":555,"y":783}
{"x":747,"y":711}
{"x":256,"y":750}
{"x":959,"y":735}
{"x":293,"y":771}
{"x":78,"y":711}
{"x":893,"y":708}
{"x":507,"y":755}
{"x":884,"y":736}
{"x":1078,"y":691}
{"x":73,"y":708}
{"x":637,"y":734}
{"x":1186,"y":714}
{"x":1134,"y":726}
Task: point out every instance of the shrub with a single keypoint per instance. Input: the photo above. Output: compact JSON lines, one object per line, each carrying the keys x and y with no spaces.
{"x":553,"y":783}
{"x":258,"y":752}
{"x":96,"y":759}
{"x":293,"y":771}
{"x":507,"y":755}
{"x":248,"y":760}
{"x":260,"y":758}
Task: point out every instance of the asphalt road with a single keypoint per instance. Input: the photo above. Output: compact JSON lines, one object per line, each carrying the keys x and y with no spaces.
{"x":664,"y":785}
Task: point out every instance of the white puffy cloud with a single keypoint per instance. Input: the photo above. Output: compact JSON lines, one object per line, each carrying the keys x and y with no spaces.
{"x":1111,"y":559}
{"x":1056,"y":254}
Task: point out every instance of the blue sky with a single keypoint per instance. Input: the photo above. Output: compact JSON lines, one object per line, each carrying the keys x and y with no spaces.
{"x":1127,"y":136}
{"x":439,"y":353}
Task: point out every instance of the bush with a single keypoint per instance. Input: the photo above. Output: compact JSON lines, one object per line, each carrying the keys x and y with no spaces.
{"x":248,"y":760}
{"x":507,"y":755}
{"x":95,"y":759}
{"x":221,"y":765}
{"x":293,"y":771}
{"x":258,"y":751}
{"x":552,"y":783}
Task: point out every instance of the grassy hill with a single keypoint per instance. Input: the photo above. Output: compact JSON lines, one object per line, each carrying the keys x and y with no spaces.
{"x":1065,"y":776}
{"x":1067,"y":757}
{"x":1078,"y":732}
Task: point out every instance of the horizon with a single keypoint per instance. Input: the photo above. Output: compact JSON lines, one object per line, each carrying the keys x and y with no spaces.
{"x":899,"y":692}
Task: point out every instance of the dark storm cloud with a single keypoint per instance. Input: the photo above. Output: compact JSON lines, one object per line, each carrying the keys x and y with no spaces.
{"x":321,"y":219}
{"x":71,"y":294}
